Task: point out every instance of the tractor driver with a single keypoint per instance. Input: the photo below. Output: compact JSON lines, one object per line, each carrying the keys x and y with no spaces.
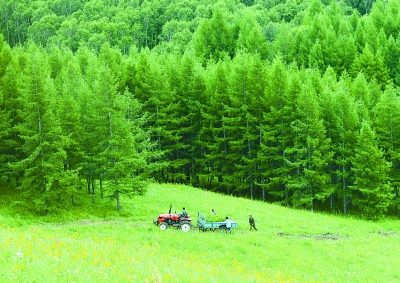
{"x":184,"y":213}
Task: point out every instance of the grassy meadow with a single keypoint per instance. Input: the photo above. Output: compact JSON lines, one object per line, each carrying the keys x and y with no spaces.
{"x":289,"y":246}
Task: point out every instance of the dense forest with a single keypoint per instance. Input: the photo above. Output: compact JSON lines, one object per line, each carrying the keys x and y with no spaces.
{"x":288,"y":101}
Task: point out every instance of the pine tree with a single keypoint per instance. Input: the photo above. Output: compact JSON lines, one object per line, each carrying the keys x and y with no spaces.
{"x":372,"y":66}
{"x":121,"y":153}
{"x":364,"y":101}
{"x":311,"y":151}
{"x":70,"y":87}
{"x":252,"y":138}
{"x":343,"y":129}
{"x":251,"y":38}
{"x":276,"y":132}
{"x":7,"y":109}
{"x":283,"y":43}
{"x":149,"y":91}
{"x":326,"y":101}
{"x":386,"y":120}
{"x":392,"y":57}
{"x":88,"y":66}
{"x":214,"y":38}
{"x":243,"y":120}
{"x":173,"y":119}
{"x":40,"y":130}
{"x":371,"y":175}
{"x":213,"y":136}
{"x":345,"y":47}
{"x":191,"y":91}
{"x":316,"y":58}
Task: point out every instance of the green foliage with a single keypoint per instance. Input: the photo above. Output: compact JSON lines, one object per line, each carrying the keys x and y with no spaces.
{"x":371,"y":66}
{"x":215,"y":218}
{"x":263,"y":99}
{"x":214,"y":38}
{"x":43,"y":147}
{"x":310,"y":150}
{"x":371,"y":175}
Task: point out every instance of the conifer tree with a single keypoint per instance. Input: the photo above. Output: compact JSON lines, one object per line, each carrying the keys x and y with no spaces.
{"x":326,"y":101}
{"x":311,"y":150}
{"x":5,"y":126}
{"x":276,"y":131}
{"x":391,"y":18}
{"x":243,"y":120}
{"x":279,"y":134}
{"x":371,"y":175}
{"x":344,"y":130}
{"x":372,"y":66}
{"x":363,"y":98}
{"x":191,"y":91}
{"x":316,"y":58}
{"x":283,"y":44}
{"x":43,"y":143}
{"x":392,"y":57}
{"x":173,"y":119}
{"x":251,"y":38}
{"x":150,"y":97}
{"x":121,"y":153}
{"x":8,"y":81}
{"x":345,"y":47}
{"x":70,"y":87}
{"x":253,"y":102}
{"x":214,"y":38}
{"x":214,"y":136}
{"x":386,"y":119}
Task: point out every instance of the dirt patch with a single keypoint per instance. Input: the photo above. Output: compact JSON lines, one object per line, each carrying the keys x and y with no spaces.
{"x":328,"y":236}
{"x":388,"y":233}
{"x":325,"y":236}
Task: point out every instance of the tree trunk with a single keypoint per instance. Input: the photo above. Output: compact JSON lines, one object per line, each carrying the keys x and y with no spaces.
{"x":92,"y":186}
{"x":344,"y":193}
{"x":101,"y":188}
{"x":46,"y":205}
{"x":397,"y":196}
{"x":251,"y":185}
{"x":263,"y":190}
{"x":118,"y":200}
{"x":312,"y":200}
{"x":88,"y":185}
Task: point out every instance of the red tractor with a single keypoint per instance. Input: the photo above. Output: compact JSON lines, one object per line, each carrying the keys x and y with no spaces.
{"x":182,"y":221}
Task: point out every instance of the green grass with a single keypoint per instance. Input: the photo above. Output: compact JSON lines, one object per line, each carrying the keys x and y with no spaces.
{"x":290,"y":246}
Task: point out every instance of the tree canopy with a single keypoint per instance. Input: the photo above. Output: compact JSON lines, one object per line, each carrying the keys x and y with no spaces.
{"x":294,"y":102}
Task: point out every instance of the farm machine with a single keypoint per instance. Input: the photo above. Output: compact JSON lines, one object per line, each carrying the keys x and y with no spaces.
{"x":180,"y":221}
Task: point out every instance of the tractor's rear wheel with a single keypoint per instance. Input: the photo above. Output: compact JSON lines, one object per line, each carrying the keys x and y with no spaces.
{"x":163,"y":226}
{"x":185,"y":226}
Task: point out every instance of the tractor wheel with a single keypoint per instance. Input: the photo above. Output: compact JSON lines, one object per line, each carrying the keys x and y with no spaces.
{"x":185,"y":226}
{"x":163,"y":226}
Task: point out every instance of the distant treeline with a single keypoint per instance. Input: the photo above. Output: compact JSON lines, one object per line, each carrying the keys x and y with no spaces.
{"x":293,"y":102}
{"x":312,"y":33}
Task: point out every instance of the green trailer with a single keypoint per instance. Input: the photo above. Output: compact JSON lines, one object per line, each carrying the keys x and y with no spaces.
{"x":205,"y":225}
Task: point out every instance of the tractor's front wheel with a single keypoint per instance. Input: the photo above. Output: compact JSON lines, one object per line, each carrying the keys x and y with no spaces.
{"x":185,"y":226}
{"x":163,"y":226}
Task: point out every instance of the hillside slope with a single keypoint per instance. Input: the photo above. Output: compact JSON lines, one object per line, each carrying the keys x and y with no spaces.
{"x":290,"y":246}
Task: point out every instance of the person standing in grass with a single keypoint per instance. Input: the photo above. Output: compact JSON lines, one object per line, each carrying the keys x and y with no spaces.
{"x":228,"y":224}
{"x":252,"y":222}
{"x":213,"y":212}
